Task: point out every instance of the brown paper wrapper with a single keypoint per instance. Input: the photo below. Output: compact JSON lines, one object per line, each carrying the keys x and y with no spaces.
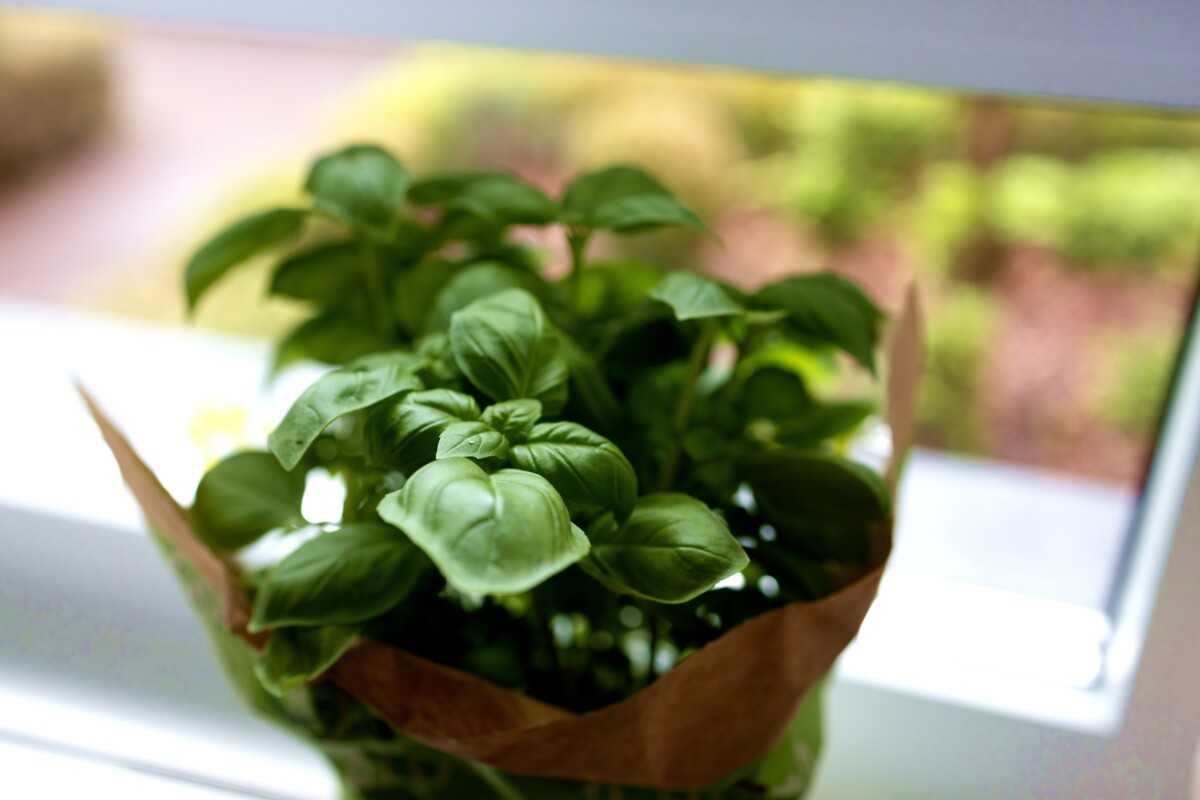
{"x":718,"y":710}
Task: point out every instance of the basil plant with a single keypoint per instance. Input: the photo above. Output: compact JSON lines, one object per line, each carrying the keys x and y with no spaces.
{"x":561,"y":485}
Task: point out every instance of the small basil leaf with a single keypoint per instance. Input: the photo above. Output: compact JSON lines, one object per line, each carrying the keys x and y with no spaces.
{"x":343,"y":576}
{"x":590,"y":192}
{"x":242,"y":240}
{"x":824,"y":505}
{"x":513,"y":418}
{"x":362,"y":184}
{"x":623,"y":199}
{"x":333,"y":395}
{"x":295,"y":656}
{"x":693,"y":296}
{"x":671,"y":549}
{"x":645,"y":212}
{"x":506,"y":346}
{"x":446,"y":186}
{"x":827,"y":309}
{"x":502,"y":533}
{"x":243,"y":497}
{"x":323,"y":274}
{"x":504,"y":200}
{"x":334,"y":337}
{"x":589,"y":471}
{"x":404,"y":435}
{"x":480,"y":280}
{"x":471,"y":440}
{"x":818,"y":423}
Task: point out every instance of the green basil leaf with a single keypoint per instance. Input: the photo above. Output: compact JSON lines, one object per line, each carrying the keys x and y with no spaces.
{"x":612,"y":289}
{"x":478,"y":281}
{"x":645,"y":212}
{"x":242,"y":240}
{"x":587,"y":194}
{"x":827,"y":309}
{"x":323,"y":274}
{"x":295,"y":656}
{"x":513,"y":418}
{"x":334,"y":337}
{"x":343,"y":576}
{"x":623,"y":199}
{"x":809,"y":427}
{"x":502,"y":533}
{"x":772,"y":392}
{"x":446,"y":186}
{"x":333,"y":395}
{"x":693,"y":296}
{"x":592,"y":398}
{"x":471,"y":440}
{"x":361,"y":184}
{"x":671,"y":549}
{"x":404,"y":435}
{"x":589,"y":471}
{"x":415,"y":290}
{"x":823,"y":505}
{"x":506,"y":346}
{"x":243,"y":497}
{"x":503,"y":200}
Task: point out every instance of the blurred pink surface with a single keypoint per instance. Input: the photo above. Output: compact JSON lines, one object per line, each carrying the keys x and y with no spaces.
{"x":189,"y":108}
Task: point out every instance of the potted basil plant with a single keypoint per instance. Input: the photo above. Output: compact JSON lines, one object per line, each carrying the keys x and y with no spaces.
{"x":599,"y":539}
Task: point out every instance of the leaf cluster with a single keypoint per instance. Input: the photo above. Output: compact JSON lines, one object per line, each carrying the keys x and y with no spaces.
{"x":545,"y":479}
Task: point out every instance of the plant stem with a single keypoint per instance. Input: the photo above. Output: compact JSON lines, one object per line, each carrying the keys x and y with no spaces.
{"x":492,"y":777}
{"x":377,"y":293}
{"x":687,"y":397}
{"x":578,"y":242}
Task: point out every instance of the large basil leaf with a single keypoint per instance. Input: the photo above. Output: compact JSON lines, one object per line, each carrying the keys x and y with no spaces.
{"x":827,"y":309}
{"x":343,"y":576}
{"x":471,"y":440}
{"x":294,"y":656}
{"x":333,"y":395}
{"x":589,"y":471}
{"x":323,"y":274}
{"x":507,"y":348}
{"x":362,"y":184}
{"x":823,"y":505}
{"x":502,"y":533}
{"x":671,"y":549}
{"x":243,"y":497}
{"x":623,"y":199}
{"x":404,"y":435}
{"x":242,"y":240}
{"x":693,"y":296}
{"x":513,"y":418}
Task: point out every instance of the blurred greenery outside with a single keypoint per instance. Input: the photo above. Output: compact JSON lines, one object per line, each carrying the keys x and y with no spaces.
{"x":1054,"y":244}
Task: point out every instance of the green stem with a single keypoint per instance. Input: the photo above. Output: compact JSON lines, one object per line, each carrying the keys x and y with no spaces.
{"x":377,"y":292}
{"x":492,"y":777}
{"x":578,"y":242}
{"x":687,"y":398}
